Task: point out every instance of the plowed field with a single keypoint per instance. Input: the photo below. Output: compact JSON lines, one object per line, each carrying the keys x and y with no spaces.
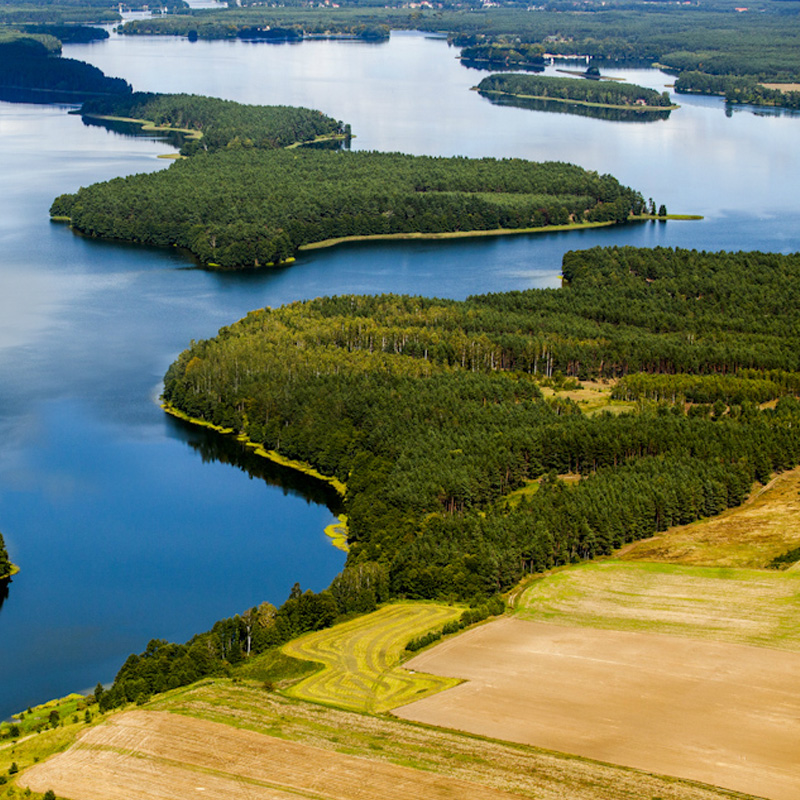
{"x":152,"y":755}
{"x":724,"y":714}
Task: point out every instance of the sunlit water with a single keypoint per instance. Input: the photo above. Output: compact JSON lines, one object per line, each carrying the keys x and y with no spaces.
{"x":129,"y":526}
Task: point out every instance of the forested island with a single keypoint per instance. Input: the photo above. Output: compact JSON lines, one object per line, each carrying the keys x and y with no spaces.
{"x":214,"y":124}
{"x":248,"y":207}
{"x":519,"y":90}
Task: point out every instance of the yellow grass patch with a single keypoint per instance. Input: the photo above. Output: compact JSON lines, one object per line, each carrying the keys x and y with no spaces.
{"x":753,"y":534}
{"x":755,"y":607}
{"x":361,"y":659}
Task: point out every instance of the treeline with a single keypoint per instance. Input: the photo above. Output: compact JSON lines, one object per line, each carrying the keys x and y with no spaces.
{"x":609,"y":93}
{"x":429,"y":410}
{"x":64,"y":12}
{"x":223,"y":123}
{"x":736,"y":89}
{"x":29,"y":68}
{"x":267,"y":24}
{"x":245,"y":207}
{"x":746,"y":386}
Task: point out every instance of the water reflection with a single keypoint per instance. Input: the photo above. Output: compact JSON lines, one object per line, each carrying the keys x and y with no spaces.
{"x":4,"y":584}
{"x":213,"y":447}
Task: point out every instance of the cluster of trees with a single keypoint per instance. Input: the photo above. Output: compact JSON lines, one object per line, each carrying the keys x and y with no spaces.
{"x":223,"y":123}
{"x":504,"y":55}
{"x":31,"y":68}
{"x":493,"y":608}
{"x":723,"y":390}
{"x":246,"y":207}
{"x":609,"y":93}
{"x":430,"y":411}
{"x":736,"y":89}
{"x":5,"y":561}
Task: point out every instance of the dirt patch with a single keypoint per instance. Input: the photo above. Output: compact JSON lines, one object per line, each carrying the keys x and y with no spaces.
{"x":766,"y":526}
{"x":783,"y":87}
{"x":724,"y":714}
{"x":152,"y":754}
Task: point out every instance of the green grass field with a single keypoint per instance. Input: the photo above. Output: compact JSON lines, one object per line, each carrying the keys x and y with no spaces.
{"x":744,"y":606}
{"x":361,"y":659}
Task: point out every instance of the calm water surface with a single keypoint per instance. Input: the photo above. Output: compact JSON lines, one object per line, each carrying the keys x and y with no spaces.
{"x":128,"y":525}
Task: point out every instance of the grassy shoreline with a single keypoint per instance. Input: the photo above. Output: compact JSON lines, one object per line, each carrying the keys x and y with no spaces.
{"x":450,"y":234}
{"x":260,"y":450}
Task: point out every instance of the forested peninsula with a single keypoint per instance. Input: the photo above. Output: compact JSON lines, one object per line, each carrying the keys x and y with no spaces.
{"x":248,"y":207}
{"x":431,"y":410}
{"x":517,"y":89}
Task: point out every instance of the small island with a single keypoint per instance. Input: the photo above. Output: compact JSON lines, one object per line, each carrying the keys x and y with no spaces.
{"x":588,"y":97}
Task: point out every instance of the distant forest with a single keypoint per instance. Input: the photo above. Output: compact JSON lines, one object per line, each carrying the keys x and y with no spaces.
{"x":431,"y":412}
{"x":248,"y":207}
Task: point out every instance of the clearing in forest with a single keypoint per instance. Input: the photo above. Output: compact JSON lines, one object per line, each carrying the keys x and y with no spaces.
{"x":361,"y":659}
{"x":766,"y":526}
{"x":743,"y":606}
{"x":724,"y":714}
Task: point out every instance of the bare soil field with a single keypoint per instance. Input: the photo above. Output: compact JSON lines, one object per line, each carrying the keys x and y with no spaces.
{"x":153,"y":754}
{"x":766,"y":526}
{"x":724,"y":714}
{"x":784,"y":87}
{"x":740,"y":606}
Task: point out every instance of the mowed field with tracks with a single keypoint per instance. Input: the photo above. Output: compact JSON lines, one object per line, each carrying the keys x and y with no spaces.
{"x":361,"y":659}
{"x":687,"y":667}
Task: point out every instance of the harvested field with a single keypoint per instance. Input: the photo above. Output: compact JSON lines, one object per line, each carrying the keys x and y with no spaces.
{"x":152,"y":754}
{"x":361,"y":659}
{"x":522,"y":771}
{"x":725,"y":714}
{"x":756,"y":607}
{"x":766,"y":526}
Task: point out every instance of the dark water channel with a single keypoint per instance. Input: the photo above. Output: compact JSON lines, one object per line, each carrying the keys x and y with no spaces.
{"x":130,"y":526}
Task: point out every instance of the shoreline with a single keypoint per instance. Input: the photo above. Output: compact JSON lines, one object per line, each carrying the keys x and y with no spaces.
{"x":335,"y":531}
{"x":377,"y":237}
{"x":7,"y":577}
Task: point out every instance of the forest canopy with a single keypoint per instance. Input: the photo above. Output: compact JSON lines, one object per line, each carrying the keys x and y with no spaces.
{"x":431,"y":412}
{"x":5,"y":562}
{"x":247,"y":207}
{"x":222,"y":123}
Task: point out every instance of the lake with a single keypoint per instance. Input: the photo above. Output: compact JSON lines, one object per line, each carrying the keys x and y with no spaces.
{"x":130,"y":526}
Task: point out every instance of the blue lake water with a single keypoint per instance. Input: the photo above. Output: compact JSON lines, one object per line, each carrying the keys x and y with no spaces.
{"x":130,"y":526}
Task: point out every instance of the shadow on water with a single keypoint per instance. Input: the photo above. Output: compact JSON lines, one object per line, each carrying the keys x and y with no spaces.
{"x":213,"y":446}
{"x":124,"y":128}
{"x":565,"y":107}
{"x":4,"y":584}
